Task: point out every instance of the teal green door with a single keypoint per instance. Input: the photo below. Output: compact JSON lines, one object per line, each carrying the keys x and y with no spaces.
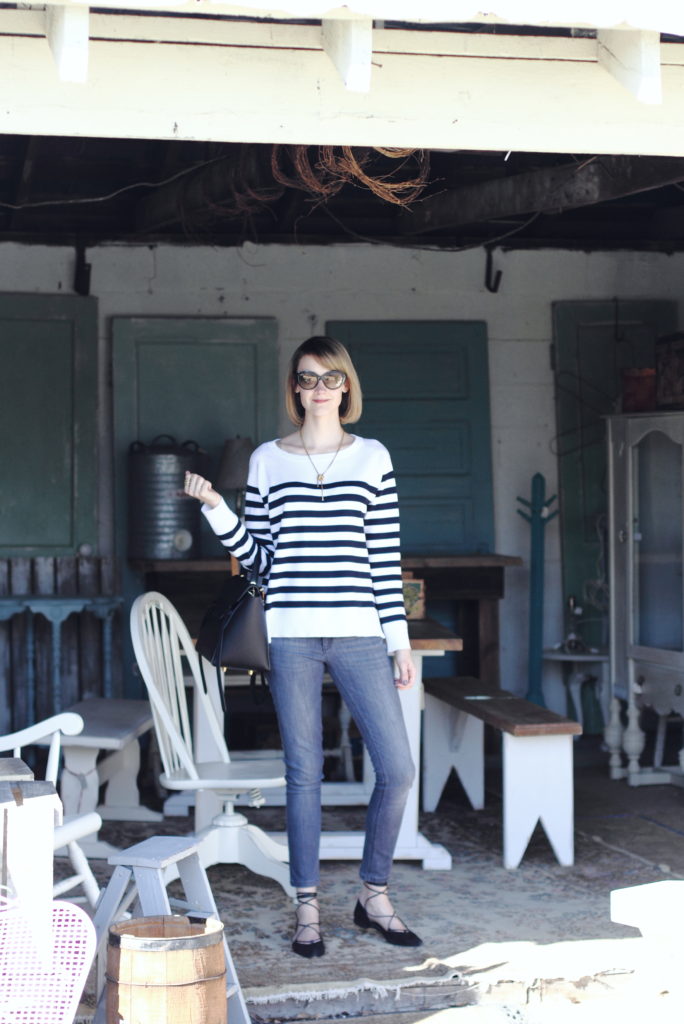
{"x":203,"y":380}
{"x":48,"y":428}
{"x":593,"y":343}
{"x":197,"y":379}
{"x":426,"y":397}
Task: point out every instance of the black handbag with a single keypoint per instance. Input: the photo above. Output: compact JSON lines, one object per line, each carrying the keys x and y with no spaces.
{"x":233,"y":631}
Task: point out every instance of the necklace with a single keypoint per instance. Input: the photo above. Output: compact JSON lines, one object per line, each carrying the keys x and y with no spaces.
{"x":320,"y":477}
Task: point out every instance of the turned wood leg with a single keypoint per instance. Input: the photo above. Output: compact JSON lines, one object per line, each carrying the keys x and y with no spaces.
{"x":613,"y":735}
{"x":634,"y":739}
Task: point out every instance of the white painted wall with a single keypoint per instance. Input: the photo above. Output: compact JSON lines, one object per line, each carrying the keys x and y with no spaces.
{"x":304,"y":286}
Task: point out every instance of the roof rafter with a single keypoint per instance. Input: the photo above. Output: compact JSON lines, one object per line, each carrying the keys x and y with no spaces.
{"x":349,"y":45}
{"x":633,"y":59}
{"x":67,"y":31}
{"x":550,"y":190}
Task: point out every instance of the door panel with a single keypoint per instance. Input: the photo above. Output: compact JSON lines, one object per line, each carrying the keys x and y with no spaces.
{"x":426,"y":396}
{"x":203,"y":380}
{"x":48,"y":428}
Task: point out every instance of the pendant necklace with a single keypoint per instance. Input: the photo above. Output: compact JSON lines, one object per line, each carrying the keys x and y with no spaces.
{"x":320,"y":477}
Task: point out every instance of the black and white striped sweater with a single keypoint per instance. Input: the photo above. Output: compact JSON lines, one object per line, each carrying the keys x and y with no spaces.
{"x":332,"y":566}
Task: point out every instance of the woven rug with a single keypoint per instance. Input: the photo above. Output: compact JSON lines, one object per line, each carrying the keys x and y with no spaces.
{"x":479,"y":922}
{"x":482,"y":925}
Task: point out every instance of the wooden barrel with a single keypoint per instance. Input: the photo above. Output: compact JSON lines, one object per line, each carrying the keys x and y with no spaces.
{"x":166,"y":970}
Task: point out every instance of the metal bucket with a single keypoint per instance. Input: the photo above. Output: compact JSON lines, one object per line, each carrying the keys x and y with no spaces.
{"x":162,"y":522}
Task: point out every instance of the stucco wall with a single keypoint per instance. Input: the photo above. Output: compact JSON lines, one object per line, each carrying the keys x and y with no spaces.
{"x":304,"y":286}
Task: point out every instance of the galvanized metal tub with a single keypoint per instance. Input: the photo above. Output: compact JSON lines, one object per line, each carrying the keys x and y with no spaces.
{"x":162,"y":521}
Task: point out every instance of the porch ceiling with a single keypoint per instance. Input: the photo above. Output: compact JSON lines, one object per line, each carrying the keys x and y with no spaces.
{"x":84,"y":191}
{"x":199,"y":113}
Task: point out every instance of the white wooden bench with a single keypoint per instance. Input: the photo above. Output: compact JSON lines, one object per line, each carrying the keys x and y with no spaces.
{"x":537,"y":759}
{"x":114,"y":726}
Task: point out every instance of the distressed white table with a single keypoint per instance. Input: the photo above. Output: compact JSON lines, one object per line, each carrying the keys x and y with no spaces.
{"x":579,"y":663}
{"x":427,"y":638}
{"x":113,"y":725}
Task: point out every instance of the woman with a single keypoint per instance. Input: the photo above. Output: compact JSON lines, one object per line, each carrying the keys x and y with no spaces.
{"x":322,"y":526}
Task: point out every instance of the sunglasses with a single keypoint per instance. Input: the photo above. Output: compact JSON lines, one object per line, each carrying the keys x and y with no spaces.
{"x":308,"y":380}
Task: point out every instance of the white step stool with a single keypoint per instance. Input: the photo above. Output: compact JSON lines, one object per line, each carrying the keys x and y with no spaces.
{"x":151,"y":865}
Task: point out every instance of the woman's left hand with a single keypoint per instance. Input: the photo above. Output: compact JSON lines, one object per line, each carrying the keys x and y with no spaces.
{"x":404,"y":670}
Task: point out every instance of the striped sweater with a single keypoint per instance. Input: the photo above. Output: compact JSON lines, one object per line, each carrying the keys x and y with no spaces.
{"x":332,"y":567}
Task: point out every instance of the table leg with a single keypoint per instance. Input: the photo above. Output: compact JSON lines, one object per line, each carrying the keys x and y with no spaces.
{"x":56,"y":665}
{"x":30,"y":667}
{"x":411,"y":845}
{"x":604,"y":691}
{"x":79,"y":782}
{"x":107,"y":654}
{"x":79,"y":789}
{"x":346,"y":760}
{"x":575,"y":683}
{"x":122,"y":797}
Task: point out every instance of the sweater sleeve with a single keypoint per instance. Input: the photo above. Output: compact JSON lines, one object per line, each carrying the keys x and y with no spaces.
{"x":251,"y":543}
{"x":382,"y":537}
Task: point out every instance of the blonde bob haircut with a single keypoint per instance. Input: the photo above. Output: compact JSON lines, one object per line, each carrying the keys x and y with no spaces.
{"x":334,"y":356}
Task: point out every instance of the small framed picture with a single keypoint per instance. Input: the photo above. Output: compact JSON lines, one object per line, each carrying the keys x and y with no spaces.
{"x":414,"y":598}
{"x":669,"y":357}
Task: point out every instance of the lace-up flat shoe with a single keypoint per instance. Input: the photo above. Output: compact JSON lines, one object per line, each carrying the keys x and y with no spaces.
{"x":395,"y":936}
{"x":309,"y":948}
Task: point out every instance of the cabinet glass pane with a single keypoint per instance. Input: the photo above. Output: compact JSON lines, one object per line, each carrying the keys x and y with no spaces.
{"x":657,"y":536}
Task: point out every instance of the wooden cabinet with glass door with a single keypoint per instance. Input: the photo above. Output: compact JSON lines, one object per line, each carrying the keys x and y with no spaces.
{"x":646,"y":510}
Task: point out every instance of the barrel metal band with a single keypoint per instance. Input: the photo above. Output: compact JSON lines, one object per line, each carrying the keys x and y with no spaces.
{"x":166,"y":984}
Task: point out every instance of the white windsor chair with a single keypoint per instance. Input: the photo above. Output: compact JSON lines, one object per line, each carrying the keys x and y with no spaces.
{"x":161,"y":643}
{"x":76,"y":826}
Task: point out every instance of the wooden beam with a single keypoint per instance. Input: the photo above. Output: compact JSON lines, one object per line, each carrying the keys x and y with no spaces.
{"x":207,"y":190}
{"x":551,"y":190}
{"x":259,"y":94}
{"x":66,"y":29}
{"x":633,"y":59}
{"x":662,"y":15}
{"x":348,"y":43}
{"x":146,"y":27}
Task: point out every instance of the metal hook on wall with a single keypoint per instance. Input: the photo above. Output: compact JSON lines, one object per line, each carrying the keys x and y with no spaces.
{"x":81,"y":271}
{"x":492,"y":280}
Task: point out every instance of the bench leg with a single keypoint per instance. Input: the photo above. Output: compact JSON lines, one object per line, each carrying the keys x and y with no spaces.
{"x":453,"y":740}
{"x":537,"y":786}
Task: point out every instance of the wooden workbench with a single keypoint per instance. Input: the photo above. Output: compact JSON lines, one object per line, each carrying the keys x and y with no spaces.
{"x":475,"y":584}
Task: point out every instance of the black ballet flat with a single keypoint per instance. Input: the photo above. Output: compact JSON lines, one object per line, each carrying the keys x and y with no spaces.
{"x":309,"y":949}
{"x":313,"y":947}
{"x":394,"y":936}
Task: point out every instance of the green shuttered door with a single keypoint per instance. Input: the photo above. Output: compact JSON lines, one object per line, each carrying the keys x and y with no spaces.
{"x":426,"y":396}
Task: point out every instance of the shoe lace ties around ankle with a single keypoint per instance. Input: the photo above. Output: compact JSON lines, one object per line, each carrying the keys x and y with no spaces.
{"x":307,"y":899}
{"x":375,"y":891}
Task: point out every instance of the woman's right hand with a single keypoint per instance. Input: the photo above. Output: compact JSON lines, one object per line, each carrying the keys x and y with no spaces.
{"x":197,"y":487}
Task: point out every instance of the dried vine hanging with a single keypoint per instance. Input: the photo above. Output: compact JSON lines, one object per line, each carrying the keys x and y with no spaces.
{"x":325,"y":172}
